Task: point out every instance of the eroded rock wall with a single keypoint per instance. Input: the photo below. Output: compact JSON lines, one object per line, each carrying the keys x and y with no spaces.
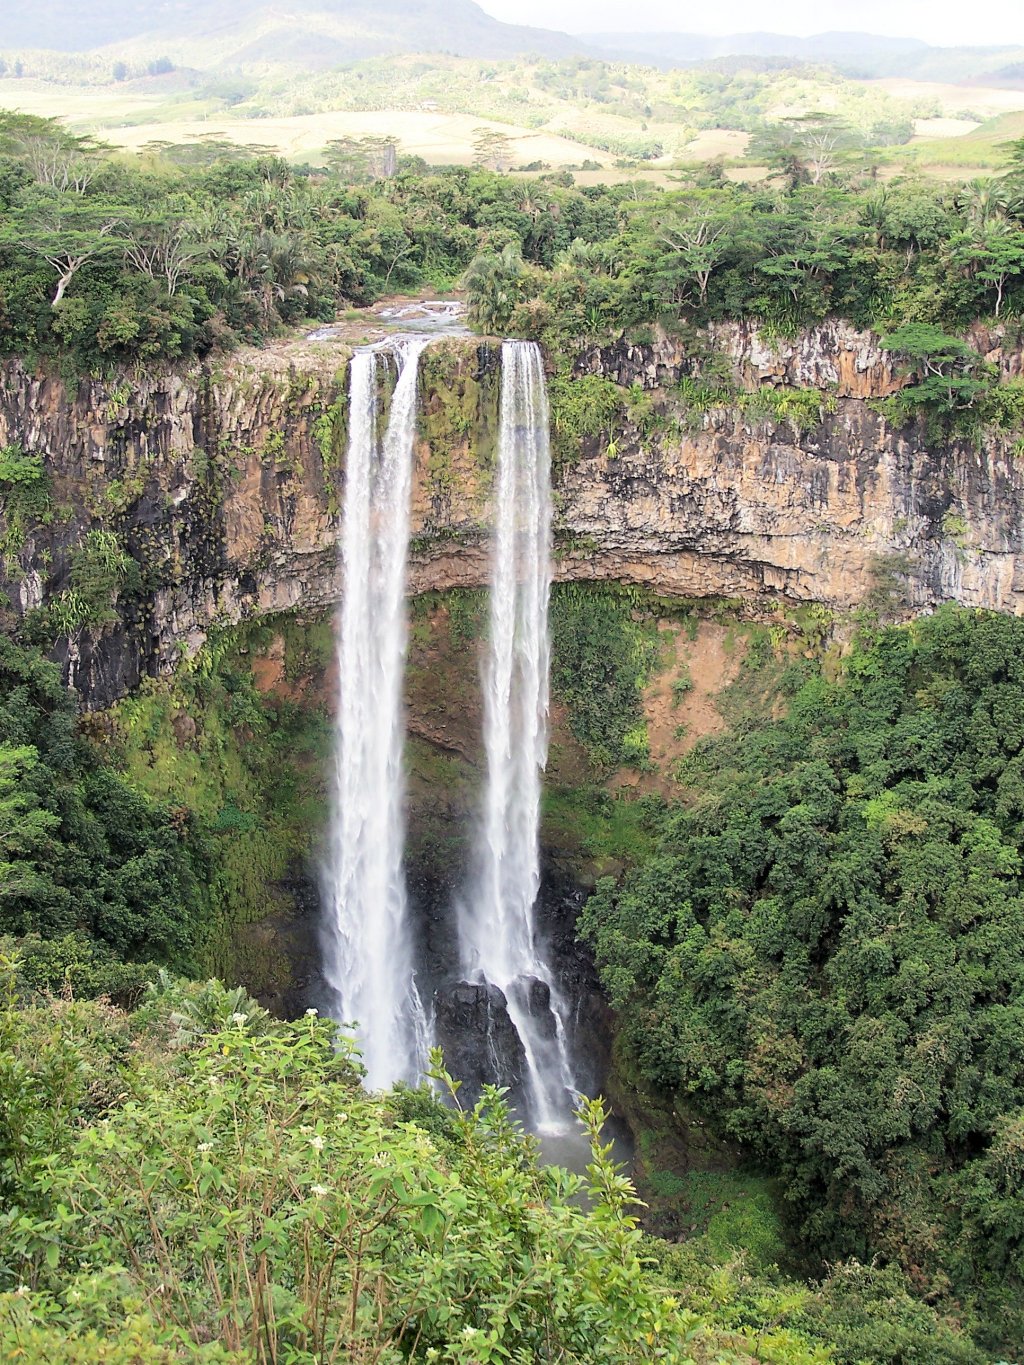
{"x":755,"y":509}
{"x":224,"y":482}
{"x":748,"y":511}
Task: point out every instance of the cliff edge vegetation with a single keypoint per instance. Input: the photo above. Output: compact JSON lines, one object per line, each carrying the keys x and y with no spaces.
{"x":106,"y":261}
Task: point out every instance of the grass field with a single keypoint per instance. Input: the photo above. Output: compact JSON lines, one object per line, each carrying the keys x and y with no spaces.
{"x":978,"y":152}
{"x":955,"y":100}
{"x":441,"y":139}
{"x":435,"y":106}
{"x":101,"y":108}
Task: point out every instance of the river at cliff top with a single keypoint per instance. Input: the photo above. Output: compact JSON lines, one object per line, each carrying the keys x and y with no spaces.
{"x":396,"y":317}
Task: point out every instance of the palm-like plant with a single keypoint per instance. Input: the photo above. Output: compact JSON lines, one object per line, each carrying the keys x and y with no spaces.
{"x":273,"y":267}
{"x":983,"y":203}
{"x":494,"y":284}
{"x":874,"y":219}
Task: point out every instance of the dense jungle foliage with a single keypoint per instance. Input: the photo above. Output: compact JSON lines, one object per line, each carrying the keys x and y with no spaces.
{"x":132,"y":843}
{"x":84,"y":853}
{"x":107,"y":259}
{"x":194,"y":1181}
{"x":819,"y":947}
{"x":824,"y":955}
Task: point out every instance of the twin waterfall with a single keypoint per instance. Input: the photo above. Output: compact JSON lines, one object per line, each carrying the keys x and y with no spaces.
{"x":370,"y":958}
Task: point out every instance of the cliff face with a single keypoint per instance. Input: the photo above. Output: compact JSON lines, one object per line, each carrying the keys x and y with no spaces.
{"x":751,"y":509}
{"x":224,"y":482}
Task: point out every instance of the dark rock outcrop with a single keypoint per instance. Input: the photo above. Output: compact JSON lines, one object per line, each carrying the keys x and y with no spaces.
{"x":480,"y":1043}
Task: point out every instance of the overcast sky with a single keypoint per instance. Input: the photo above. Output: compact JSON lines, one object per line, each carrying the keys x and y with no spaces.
{"x":935,"y":21}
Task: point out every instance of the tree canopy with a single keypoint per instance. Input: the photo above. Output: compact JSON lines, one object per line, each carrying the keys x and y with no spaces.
{"x":186,"y":249}
{"x":825,"y":954}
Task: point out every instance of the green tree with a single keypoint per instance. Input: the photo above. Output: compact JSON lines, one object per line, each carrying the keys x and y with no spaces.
{"x":492,"y":148}
{"x":808,"y":149}
{"x":362,"y":160}
{"x":65,"y":230}
{"x":948,"y":375}
{"x":995,"y":256}
{"x":694,"y":232}
{"x":164,"y":249}
{"x":25,"y":827}
{"x":495,"y":283}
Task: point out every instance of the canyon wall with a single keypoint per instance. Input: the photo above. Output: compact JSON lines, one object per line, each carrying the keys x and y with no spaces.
{"x":223,"y":481}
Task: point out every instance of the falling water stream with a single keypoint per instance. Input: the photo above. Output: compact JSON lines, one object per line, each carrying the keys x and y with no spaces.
{"x":368,"y":956}
{"x":497,"y":929}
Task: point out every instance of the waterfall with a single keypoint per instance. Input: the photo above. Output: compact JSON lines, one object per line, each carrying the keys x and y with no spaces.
{"x":368,"y":956}
{"x":497,"y":930}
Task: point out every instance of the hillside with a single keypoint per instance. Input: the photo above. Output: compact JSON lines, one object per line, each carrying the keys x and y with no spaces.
{"x":318,"y":33}
{"x":862,"y":55}
{"x":555,"y":113}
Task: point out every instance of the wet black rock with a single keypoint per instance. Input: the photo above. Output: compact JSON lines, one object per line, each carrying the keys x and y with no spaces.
{"x":534,"y":998}
{"x":476,"y":1035}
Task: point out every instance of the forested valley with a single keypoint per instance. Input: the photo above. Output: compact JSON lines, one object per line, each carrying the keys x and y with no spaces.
{"x":805,"y":916}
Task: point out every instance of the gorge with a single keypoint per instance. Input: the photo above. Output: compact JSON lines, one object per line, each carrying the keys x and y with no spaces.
{"x":705,"y":565}
{"x":222,"y":481}
{"x":511,"y":715}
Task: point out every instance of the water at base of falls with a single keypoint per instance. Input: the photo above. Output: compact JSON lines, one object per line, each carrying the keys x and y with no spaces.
{"x":496,"y":917}
{"x":369,"y":960}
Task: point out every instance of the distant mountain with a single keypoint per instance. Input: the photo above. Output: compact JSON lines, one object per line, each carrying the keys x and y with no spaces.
{"x":317,"y":34}
{"x":699,"y":47}
{"x":1010,"y":77}
{"x":314,"y":33}
{"x":860,"y":55}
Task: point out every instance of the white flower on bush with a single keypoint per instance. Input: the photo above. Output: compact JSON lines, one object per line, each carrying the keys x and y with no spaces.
{"x":238,"y":1019}
{"x":317,"y":1142}
{"x":205,"y":1147}
{"x":381,"y":1159}
{"x":312,"y":1013}
{"x":319,"y":1190}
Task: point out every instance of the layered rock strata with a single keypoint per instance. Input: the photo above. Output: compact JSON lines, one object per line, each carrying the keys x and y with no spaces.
{"x":223,"y":481}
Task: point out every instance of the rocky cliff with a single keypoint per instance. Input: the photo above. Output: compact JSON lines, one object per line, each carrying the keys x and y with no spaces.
{"x":223,"y":483}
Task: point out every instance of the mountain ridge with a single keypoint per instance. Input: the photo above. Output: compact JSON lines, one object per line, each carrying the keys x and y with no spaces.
{"x":856,"y":54}
{"x":319,"y":34}
{"x":314,"y":30}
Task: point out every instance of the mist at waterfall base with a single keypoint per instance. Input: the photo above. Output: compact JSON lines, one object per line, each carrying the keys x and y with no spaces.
{"x":497,"y":1007}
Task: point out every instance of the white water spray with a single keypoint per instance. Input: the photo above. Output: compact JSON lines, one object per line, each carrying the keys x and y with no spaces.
{"x":368,"y":954}
{"x":497,"y":927}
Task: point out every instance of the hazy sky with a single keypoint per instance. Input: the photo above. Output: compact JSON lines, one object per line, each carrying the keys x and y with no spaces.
{"x":936,"y":21}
